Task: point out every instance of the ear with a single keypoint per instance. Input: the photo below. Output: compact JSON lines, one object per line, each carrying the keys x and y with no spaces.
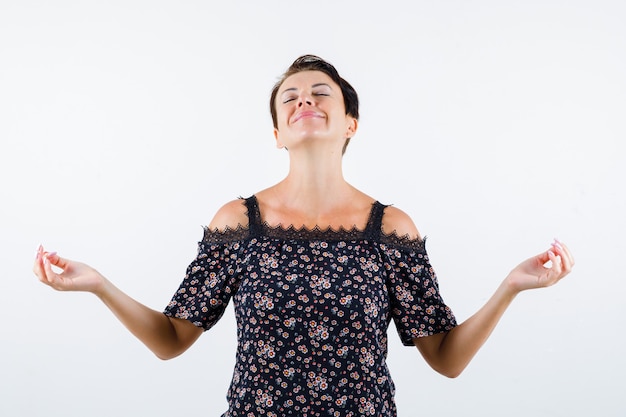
{"x":279,"y":144}
{"x":352,"y":126}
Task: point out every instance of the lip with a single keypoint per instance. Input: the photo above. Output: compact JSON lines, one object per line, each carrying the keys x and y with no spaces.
{"x":306,"y":115}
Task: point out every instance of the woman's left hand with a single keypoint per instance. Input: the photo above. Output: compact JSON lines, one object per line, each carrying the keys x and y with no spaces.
{"x":543,"y":270}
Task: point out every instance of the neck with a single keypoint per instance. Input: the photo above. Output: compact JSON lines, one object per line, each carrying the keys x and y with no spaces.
{"x":314,"y":184}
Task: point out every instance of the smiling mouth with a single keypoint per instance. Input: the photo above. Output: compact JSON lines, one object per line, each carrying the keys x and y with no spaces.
{"x":306,"y":115}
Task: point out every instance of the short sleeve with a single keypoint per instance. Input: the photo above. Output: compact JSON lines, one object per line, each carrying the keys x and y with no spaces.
{"x":416,"y":305}
{"x":211,"y":280}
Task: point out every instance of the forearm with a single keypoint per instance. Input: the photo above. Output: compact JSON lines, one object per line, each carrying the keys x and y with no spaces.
{"x":151,"y":327}
{"x":451,"y":352}
{"x":165,"y":337}
{"x":463,"y":342}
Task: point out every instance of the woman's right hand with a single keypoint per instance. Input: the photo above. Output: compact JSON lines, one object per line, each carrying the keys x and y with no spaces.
{"x":166,"y":337}
{"x":74,"y":276}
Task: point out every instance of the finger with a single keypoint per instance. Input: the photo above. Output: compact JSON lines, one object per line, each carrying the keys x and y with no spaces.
{"x":57,"y":261}
{"x":554,"y":272}
{"x":38,"y":267}
{"x":566,"y":256}
{"x":52,"y":277}
{"x":543,"y":258}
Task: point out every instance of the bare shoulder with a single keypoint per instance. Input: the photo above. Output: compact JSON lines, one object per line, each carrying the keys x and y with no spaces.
{"x":398,"y":222}
{"x":230,"y":215}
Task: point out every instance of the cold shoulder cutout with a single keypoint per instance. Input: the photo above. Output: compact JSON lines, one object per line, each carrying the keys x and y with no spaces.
{"x":230,"y":216}
{"x":397,"y":222}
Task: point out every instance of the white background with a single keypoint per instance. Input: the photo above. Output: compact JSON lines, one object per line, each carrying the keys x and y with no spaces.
{"x":497,"y":125}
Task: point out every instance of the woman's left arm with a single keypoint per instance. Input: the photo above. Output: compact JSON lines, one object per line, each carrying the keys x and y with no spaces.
{"x":449,"y":353}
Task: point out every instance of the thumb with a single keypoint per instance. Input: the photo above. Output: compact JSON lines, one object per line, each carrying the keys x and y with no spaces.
{"x":56,"y":260}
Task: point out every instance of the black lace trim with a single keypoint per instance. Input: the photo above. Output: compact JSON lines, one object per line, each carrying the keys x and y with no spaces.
{"x":257,"y":229}
{"x":405,"y":241}
{"x":242,"y":233}
{"x":219,"y":237}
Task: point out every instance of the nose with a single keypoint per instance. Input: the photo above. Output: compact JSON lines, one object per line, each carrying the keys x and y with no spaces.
{"x":305,"y":98}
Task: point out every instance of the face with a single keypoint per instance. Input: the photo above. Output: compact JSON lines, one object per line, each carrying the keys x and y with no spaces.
{"x":310,"y":109}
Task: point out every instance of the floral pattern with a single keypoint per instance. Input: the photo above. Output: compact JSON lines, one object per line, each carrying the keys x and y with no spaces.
{"x":312,"y":310}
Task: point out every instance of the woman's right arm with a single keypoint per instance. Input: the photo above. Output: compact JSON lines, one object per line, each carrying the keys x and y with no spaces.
{"x":166,"y":337}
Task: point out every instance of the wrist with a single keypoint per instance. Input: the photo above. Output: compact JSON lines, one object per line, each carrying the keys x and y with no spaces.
{"x":510,"y":288}
{"x":102,"y":287}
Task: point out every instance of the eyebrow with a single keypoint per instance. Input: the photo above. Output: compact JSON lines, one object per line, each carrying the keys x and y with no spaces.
{"x":313,"y":86}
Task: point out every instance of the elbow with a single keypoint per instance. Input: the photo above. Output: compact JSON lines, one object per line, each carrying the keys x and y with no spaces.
{"x":171,"y":345}
{"x":164,"y":357}
{"x":452,"y":374}
{"x":449,"y":371}
{"x":167,"y":354}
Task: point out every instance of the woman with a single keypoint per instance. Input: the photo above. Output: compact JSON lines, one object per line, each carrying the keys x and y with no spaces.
{"x":316,"y":270}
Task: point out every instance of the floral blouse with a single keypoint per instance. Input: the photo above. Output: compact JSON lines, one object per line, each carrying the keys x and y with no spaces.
{"x":312,"y":310}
